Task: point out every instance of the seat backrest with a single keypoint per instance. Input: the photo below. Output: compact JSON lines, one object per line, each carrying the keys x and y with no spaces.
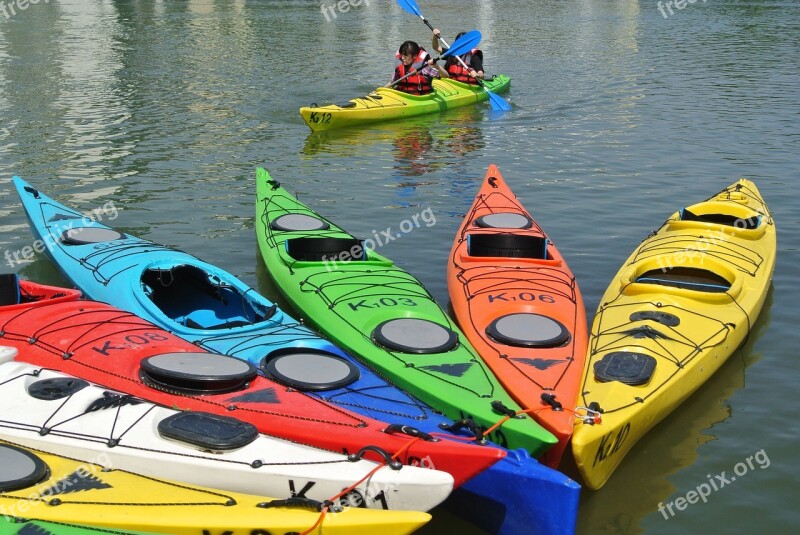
{"x":326,"y":249}
{"x":507,"y":245}
{"x":9,"y":289}
{"x":722,"y":219}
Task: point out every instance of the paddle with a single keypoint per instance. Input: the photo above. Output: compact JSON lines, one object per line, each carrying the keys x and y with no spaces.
{"x":496,"y":101}
{"x":462,"y":45}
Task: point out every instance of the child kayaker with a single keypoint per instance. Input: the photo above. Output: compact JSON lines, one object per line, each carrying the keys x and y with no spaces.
{"x":414,"y":60}
{"x":454,"y":68}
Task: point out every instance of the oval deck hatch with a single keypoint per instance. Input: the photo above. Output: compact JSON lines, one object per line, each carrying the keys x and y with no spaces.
{"x":298,"y":222}
{"x":89,"y":235}
{"x":208,"y":431}
{"x":625,"y":367}
{"x":509,"y":220}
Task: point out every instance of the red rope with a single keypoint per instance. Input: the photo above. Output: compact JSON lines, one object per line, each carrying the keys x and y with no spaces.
{"x":596,"y":417}
{"x":372,"y":472}
{"x":504,"y":419}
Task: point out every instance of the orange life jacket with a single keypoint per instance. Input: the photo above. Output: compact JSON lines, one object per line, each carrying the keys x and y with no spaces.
{"x":458,"y":72}
{"x":416,"y":84}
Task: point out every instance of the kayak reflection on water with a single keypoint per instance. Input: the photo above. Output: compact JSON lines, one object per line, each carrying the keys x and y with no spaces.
{"x":417,"y":145}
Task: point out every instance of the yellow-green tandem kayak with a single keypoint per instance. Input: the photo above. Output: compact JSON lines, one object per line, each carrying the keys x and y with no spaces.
{"x":385,"y":104}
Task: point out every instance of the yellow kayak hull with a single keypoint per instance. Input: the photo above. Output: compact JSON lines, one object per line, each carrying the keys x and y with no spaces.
{"x":385,"y":104}
{"x":683,"y":302}
{"x":48,"y":487}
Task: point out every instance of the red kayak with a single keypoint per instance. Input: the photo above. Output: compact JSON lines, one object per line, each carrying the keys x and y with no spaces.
{"x":102,"y":344}
{"x":18,"y":294}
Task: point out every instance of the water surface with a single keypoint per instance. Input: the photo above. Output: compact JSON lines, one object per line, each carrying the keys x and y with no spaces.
{"x":620,"y":117}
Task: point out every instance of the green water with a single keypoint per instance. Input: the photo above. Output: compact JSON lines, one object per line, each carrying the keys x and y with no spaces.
{"x":620,"y":116}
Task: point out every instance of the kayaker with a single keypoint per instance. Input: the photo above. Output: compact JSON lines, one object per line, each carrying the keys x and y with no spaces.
{"x":414,"y":59}
{"x":456,"y":71}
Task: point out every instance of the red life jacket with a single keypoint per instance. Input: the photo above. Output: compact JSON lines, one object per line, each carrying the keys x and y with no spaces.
{"x":458,"y":72}
{"x":416,"y":84}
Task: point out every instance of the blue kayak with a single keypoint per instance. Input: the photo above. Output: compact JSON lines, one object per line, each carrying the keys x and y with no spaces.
{"x":198,"y":302}
{"x":212,"y":308}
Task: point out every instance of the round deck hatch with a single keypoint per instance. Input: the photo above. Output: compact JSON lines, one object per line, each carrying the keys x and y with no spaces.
{"x":20,"y":468}
{"x":528,"y":330}
{"x":200,"y":373}
{"x":56,"y":388}
{"x":412,"y":335}
{"x":309,"y":370}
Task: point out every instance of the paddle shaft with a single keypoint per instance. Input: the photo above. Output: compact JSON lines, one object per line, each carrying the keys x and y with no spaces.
{"x":463,"y":64}
{"x":413,"y":72}
{"x":461,"y":61}
{"x":496,"y":101}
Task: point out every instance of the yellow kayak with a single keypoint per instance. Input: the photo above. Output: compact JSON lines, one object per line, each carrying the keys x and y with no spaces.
{"x":683,"y":302}
{"x":47,"y":487}
{"x":385,"y":104}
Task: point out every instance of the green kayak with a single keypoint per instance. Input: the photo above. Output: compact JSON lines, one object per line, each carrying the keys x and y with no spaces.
{"x":18,"y":526}
{"x":384,"y":316}
{"x":385,"y":104}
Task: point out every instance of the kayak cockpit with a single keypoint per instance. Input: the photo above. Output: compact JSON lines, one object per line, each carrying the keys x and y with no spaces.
{"x":508,"y":246}
{"x":197,"y":299}
{"x":326,"y":249}
{"x":333,"y":251}
{"x":688,"y":278}
{"x":750,"y":221}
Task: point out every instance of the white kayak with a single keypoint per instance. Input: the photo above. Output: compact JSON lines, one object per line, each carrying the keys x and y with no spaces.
{"x":56,"y":413}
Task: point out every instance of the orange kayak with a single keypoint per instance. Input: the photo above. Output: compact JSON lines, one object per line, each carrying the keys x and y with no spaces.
{"x":519,"y":305}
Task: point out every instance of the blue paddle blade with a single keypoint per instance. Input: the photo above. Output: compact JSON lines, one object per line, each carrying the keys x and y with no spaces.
{"x":463,"y":44}
{"x":497,"y":102}
{"x":410,"y":6}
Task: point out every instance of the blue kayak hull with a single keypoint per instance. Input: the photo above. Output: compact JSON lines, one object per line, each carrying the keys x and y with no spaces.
{"x":518,"y":496}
